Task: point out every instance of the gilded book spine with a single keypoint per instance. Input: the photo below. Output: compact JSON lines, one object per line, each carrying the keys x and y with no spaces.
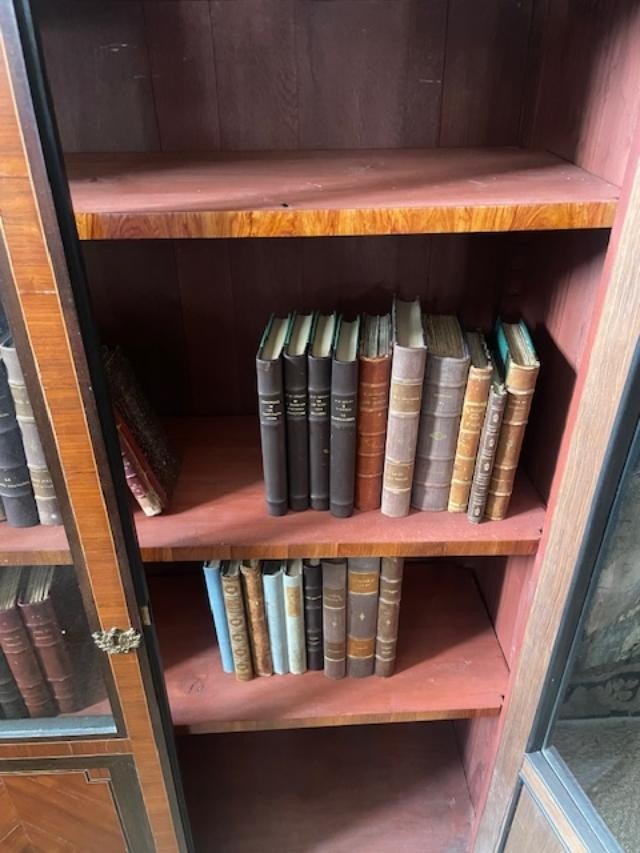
{"x":51,"y":648}
{"x":256,"y":617}
{"x":473,"y":412}
{"x":24,"y":665}
{"x":237,"y":622}
{"x":373,"y":402}
{"x":313,"y":613}
{"x":388,"y":615}
{"x":362,"y":610}
{"x":294,"y":617}
{"x":486,"y":453}
{"x":334,"y":594}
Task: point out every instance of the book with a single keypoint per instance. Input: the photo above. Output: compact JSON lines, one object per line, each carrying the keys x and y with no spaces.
{"x":15,"y":483}
{"x":138,"y":476}
{"x":374,"y":373}
{"x":405,"y":396}
{"x":344,"y":397}
{"x":487,"y":448}
{"x":236,"y":620}
{"x":213,"y":581}
{"x":272,"y":420}
{"x":41,"y":482}
{"x":294,"y":617}
{"x":445,"y":380}
{"x":363,"y":578}
{"x":474,"y":407}
{"x":518,"y":363}
{"x":388,"y":615}
{"x":12,"y":705}
{"x":272,"y":584}
{"x":319,"y":383}
{"x":312,"y":581}
{"x":296,"y":410}
{"x":256,"y":617}
{"x":334,"y":600}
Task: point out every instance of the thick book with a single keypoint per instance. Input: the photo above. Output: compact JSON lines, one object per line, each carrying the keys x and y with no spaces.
{"x":12,"y":705}
{"x":445,"y":380}
{"x":312,"y":581}
{"x":474,"y":407}
{"x":236,"y":620}
{"x":334,"y":617}
{"x":272,"y":584}
{"x":487,"y":448}
{"x":344,"y":398}
{"x":273,"y":435}
{"x":142,"y":485}
{"x":518,"y":363}
{"x":363,"y":579}
{"x":405,"y":396}
{"x":296,"y":410}
{"x":213,"y":581}
{"x":257,"y":617}
{"x":319,"y":384}
{"x":294,"y":617}
{"x":15,"y":483}
{"x":374,"y":374}
{"x":388,"y":615}
{"x":41,"y":482}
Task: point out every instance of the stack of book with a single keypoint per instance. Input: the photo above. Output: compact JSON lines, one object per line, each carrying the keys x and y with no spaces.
{"x":290,"y":616}
{"x":392,"y":412}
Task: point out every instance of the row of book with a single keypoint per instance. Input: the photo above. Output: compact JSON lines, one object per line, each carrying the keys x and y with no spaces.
{"x":290,"y":616}
{"x":392,"y":411}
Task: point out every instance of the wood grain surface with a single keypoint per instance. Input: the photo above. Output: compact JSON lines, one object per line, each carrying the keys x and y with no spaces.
{"x":531,"y":831}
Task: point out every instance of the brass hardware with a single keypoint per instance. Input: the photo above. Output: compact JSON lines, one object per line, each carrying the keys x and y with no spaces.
{"x":115,"y":641}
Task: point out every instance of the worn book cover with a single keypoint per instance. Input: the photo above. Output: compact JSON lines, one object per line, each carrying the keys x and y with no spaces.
{"x":388,"y":615}
{"x":487,"y":448}
{"x":363,"y":577}
{"x":344,"y":397}
{"x":334,"y":612}
{"x":294,"y":617}
{"x":236,"y":620}
{"x":273,"y":586}
{"x":312,"y":581}
{"x":319,"y":382}
{"x":257,"y":617}
{"x":296,"y":409}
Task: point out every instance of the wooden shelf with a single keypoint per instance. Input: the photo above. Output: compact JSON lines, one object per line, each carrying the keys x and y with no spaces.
{"x":449,"y":664}
{"x":317,"y":193}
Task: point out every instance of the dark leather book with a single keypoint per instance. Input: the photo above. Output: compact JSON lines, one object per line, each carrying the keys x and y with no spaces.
{"x":319,"y":381}
{"x":388,"y":615}
{"x":236,"y":620}
{"x":344,"y":399}
{"x":312,"y":571}
{"x":15,"y":483}
{"x":487,"y":448}
{"x":334,"y":612}
{"x":296,"y":409}
{"x":256,"y":617}
{"x":11,"y":702}
{"x":138,"y":475}
{"x":362,"y":612}
{"x":273,"y":437}
{"x":373,"y":401}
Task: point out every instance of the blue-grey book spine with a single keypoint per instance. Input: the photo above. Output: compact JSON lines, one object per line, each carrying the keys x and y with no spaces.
{"x":294,"y":617}
{"x":216,"y":602}
{"x":272,"y":582}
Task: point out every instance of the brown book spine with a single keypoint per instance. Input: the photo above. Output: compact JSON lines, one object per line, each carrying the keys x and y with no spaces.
{"x":24,"y":666}
{"x":11,"y":703}
{"x":237,"y":622}
{"x":474,"y":407}
{"x":388,"y":615}
{"x":486,"y":453}
{"x":334,"y":599}
{"x":362,"y":610}
{"x":256,"y":617}
{"x":373,"y":403}
{"x":139,"y":486}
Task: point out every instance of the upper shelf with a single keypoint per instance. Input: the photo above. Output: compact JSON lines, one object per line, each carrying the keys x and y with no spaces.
{"x":323,"y":193}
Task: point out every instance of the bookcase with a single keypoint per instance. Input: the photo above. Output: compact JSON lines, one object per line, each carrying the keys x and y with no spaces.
{"x":221,"y":160}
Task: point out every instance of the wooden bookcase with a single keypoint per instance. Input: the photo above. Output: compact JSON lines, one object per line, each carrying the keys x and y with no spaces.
{"x":231,"y":158}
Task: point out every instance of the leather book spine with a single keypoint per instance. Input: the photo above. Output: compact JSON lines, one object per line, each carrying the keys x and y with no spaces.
{"x":405,"y":396}
{"x":486,"y":454}
{"x":344,"y":397}
{"x":11,"y":703}
{"x":363,"y":581}
{"x":319,"y":430}
{"x":213,"y":583}
{"x":273,"y":434}
{"x":313,"y":613}
{"x":24,"y":666}
{"x":274,"y":606}
{"x":294,"y":622}
{"x":257,"y":618}
{"x":373,"y":403}
{"x":139,"y":486}
{"x":295,"y":394}
{"x":334,"y":599}
{"x":237,"y":622}
{"x":51,"y":648}
{"x":445,"y":381}
{"x":15,"y":483}
{"x":474,"y":407}
{"x":142,"y":465}
{"x":388,"y":615}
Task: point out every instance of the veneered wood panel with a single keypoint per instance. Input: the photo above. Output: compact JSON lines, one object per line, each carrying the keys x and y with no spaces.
{"x":530,"y":831}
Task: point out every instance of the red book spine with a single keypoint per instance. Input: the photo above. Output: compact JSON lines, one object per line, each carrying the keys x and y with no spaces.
{"x":24,"y":666}
{"x":373,"y":402}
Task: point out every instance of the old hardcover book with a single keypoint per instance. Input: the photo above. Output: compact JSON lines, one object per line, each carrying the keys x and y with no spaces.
{"x":12,"y":705}
{"x":312,"y":578}
{"x":405,"y":395}
{"x":363,"y":580}
{"x":388,"y":615}
{"x":142,"y":485}
{"x":273,"y":436}
{"x":15,"y":482}
{"x":296,"y":409}
{"x":43,"y":490}
{"x":518,"y":363}
{"x":445,"y":380}
{"x":373,"y":403}
{"x":294,"y":617}
{"x":257,"y":617}
{"x":344,"y":398}
{"x":474,"y":407}
{"x":319,"y":380}
{"x":236,"y":620}
{"x":273,"y":586}
{"x":334,"y":617}
{"x":213,"y":581}
{"x":487,"y":449}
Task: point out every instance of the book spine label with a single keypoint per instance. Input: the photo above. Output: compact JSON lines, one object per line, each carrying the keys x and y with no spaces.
{"x":274,"y":606}
{"x":405,"y":396}
{"x":273,"y":434}
{"x":15,"y":483}
{"x":236,"y":620}
{"x":319,"y":431}
{"x":474,"y":407}
{"x":294,"y":623}
{"x":296,"y":407}
{"x":257,"y":618}
{"x":313,"y":614}
{"x":51,"y":648}
{"x":486,"y":454}
{"x":388,"y":615}
{"x":334,"y":595}
{"x":362,"y":608}
{"x":24,"y":666}
{"x":373,"y":403}
{"x":11,"y":702}
{"x":344,"y":395}
{"x":213,"y":582}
